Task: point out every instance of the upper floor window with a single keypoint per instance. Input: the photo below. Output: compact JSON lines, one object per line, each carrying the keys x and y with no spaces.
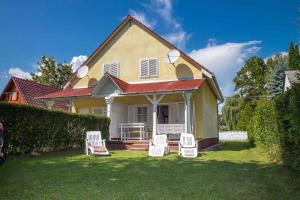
{"x":111,"y":68}
{"x":149,"y":68}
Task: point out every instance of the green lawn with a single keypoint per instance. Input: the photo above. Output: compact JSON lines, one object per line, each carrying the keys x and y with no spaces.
{"x":234,"y":171}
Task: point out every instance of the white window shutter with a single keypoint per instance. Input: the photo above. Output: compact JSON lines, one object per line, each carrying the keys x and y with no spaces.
{"x":153,"y":67}
{"x":180,"y":113}
{"x":173,"y":113}
{"x":131,"y":113}
{"x":150,"y":113}
{"x":106,"y":68}
{"x":114,"y":69}
{"x":144,"y":68}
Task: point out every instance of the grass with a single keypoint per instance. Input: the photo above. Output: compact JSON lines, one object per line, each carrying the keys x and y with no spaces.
{"x":233,"y":171}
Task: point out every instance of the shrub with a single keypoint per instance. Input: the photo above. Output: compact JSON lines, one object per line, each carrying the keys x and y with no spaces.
{"x":265,"y":129}
{"x":288,"y":106}
{"x":29,"y":128}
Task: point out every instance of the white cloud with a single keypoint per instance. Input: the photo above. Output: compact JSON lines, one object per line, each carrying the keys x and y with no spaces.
{"x":225,"y":60}
{"x":142,"y":18}
{"x":284,"y":53}
{"x":17,"y":72}
{"x":77,"y":62}
{"x":177,"y":36}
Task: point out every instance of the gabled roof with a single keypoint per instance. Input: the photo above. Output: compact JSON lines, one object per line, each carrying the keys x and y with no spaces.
{"x":292,"y":76}
{"x":127,"y":88}
{"x":30,"y":90}
{"x":151,"y":32}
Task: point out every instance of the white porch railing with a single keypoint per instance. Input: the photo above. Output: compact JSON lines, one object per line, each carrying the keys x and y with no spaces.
{"x":142,"y":131}
{"x":134,"y":131}
{"x":172,"y":130}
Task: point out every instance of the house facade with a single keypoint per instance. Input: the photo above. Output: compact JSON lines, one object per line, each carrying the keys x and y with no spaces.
{"x":22,"y":91}
{"x":129,"y":80}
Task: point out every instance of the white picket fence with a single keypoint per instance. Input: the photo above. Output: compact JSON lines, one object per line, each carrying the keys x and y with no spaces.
{"x":233,"y":136}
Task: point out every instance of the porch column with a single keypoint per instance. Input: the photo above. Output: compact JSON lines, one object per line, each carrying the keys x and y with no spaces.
{"x":69,"y":105}
{"x":187,"y":111}
{"x":109,"y":102}
{"x":154,"y":115}
{"x":154,"y":102}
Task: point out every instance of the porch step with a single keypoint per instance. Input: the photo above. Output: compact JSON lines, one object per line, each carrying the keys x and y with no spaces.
{"x":139,"y":145}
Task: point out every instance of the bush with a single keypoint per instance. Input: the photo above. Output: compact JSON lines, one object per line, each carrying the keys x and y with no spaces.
{"x":288,"y":106}
{"x":265,"y":129}
{"x":29,"y":128}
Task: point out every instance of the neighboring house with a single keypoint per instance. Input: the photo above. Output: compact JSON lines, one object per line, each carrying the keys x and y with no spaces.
{"x":129,"y":81}
{"x":290,"y":78}
{"x":21,"y":91}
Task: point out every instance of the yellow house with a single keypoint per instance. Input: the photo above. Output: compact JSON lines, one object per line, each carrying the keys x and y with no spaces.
{"x":131,"y":79}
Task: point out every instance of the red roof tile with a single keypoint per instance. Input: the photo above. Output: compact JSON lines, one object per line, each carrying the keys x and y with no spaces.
{"x":128,"y":88}
{"x":179,"y":85}
{"x":69,"y":93}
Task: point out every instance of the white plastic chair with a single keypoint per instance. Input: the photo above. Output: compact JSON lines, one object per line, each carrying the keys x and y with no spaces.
{"x":188,"y":146}
{"x":94,"y":144}
{"x":158,"y":146}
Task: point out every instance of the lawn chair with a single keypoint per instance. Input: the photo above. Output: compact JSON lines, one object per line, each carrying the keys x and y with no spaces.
{"x":188,"y":146}
{"x":158,"y":146}
{"x":94,"y":144}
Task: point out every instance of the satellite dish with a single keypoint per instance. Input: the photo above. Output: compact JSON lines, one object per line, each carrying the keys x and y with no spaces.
{"x":82,"y":71}
{"x":172,"y":56}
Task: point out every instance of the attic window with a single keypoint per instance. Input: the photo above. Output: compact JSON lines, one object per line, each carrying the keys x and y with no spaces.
{"x":111,"y":68}
{"x":149,"y":68}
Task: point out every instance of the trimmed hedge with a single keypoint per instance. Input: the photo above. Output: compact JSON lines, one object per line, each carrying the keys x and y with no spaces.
{"x":265,"y":128}
{"x":288,"y":106}
{"x":29,"y":128}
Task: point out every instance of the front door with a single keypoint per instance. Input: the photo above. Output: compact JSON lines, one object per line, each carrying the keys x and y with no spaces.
{"x":163,"y":114}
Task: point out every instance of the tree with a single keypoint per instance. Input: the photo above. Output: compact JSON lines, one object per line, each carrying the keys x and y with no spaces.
{"x":276,"y":82}
{"x":230,"y":112}
{"x":51,"y":73}
{"x":251,"y":79}
{"x":294,"y":57}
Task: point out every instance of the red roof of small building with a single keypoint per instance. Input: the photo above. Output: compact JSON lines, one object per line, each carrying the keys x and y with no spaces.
{"x":127,"y":88}
{"x":30,"y":90}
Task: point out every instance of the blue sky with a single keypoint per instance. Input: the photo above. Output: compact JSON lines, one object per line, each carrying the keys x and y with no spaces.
{"x":218,"y":34}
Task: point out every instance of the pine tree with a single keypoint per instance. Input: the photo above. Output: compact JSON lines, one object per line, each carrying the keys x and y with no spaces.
{"x":276,"y":82}
{"x":52,"y":74}
{"x":294,"y":57}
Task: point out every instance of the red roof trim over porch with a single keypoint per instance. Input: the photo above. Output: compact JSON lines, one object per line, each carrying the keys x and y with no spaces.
{"x":127,"y":88}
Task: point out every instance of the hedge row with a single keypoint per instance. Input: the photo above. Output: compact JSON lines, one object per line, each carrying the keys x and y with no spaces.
{"x":29,"y":128}
{"x":276,"y":125}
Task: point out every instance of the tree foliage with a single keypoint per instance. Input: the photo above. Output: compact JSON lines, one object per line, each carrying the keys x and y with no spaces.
{"x":294,"y":57}
{"x":230,"y":112}
{"x":251,"y":79}
{"x":277,"y":77}
{"x":51,"y":73}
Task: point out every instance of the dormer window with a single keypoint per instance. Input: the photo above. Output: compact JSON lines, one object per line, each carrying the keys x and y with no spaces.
{"x":111,"y":68}
{"x":149,"y":68}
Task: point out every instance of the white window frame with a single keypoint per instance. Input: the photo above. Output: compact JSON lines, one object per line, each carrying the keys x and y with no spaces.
{"x":143,"y":114}
{"x":110,"y":63}
{"x":103,"y":110}
{"x":148,"y":75}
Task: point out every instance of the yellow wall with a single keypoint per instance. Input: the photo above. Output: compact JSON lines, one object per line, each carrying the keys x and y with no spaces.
{"x":87,"y":103}
{"x":127,"y":48}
